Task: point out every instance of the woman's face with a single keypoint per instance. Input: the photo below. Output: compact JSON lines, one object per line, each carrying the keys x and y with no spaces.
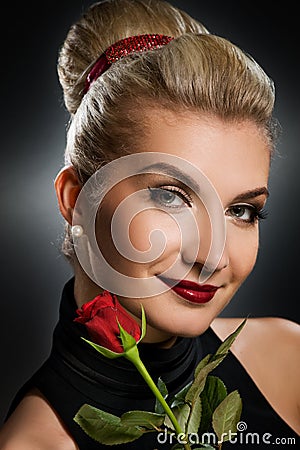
{"x":235,"y":158}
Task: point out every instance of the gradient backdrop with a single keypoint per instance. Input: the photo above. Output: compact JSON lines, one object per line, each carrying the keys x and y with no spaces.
{"x":33,"y":122}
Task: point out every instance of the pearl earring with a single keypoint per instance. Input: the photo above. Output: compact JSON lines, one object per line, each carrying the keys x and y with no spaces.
{"x":77,"y":231}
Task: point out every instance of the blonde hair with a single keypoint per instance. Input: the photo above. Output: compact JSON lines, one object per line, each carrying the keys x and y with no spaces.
{"x":196,"y":71}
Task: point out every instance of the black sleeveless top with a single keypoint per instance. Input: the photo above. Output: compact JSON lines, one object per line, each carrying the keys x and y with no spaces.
{"x":75,"y":374}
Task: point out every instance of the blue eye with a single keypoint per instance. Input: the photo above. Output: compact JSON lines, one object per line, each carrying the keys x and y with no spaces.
{"x":171,"y":197}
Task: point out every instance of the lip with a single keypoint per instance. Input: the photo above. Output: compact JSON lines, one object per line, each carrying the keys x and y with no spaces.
{"x":191,"y":291}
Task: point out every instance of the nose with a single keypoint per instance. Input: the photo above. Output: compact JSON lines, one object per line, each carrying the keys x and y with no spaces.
{"x":209,"y":249}
{"x":209,"y":261}
{"x":214,"y":262}
{"x":223,"y":260}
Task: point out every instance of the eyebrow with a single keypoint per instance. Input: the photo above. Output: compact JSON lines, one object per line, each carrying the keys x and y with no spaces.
{"x":252,"y":194}
{"x":173,"y":172}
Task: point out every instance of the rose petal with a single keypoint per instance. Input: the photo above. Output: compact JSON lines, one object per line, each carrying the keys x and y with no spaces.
{"x":101,"y":316}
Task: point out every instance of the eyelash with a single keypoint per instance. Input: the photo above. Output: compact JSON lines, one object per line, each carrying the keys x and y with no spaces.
{"x":154,"y":193}
{"x":256,"y":214}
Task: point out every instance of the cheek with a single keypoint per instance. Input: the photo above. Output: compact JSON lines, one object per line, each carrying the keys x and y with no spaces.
{"x":155,"y":233}
{"x":150,"y":240}
{"x":243,"y":247}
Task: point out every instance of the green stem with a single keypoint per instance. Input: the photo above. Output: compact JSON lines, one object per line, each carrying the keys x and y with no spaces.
{"x":133,"y":356}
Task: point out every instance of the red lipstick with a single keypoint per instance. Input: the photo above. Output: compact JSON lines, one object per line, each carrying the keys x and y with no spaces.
{"x":192,"y":292}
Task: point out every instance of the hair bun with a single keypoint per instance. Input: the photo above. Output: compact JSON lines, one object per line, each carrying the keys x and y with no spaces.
{"x":88,"y":38}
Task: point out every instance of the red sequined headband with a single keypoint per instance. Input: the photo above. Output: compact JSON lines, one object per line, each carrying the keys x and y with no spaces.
{"x":124,"y":47}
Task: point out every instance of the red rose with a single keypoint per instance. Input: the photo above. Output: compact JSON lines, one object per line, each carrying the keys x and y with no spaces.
{"x":101,"y":316}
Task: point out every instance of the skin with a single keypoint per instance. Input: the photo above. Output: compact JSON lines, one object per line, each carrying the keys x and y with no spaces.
{"x":235,"y":157}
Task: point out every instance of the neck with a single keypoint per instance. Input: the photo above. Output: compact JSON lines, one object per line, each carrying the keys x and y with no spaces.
{"x":84,"y":288}
{"x":168,"y":343}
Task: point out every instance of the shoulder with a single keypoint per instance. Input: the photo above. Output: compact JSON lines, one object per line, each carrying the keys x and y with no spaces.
{"x":266,"y":342}
{"x":268,"y":348}
{"x":271,"y":333}
{"x":31,"y":425}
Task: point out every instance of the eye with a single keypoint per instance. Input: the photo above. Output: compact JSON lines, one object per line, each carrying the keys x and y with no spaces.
{"x":171,"y":197}
{"x":246,"y":213}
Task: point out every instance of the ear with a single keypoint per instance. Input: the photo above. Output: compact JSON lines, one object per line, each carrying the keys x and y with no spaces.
{"x":67,"y":187}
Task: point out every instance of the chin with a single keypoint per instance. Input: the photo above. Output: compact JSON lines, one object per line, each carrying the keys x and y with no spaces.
{"x":195,"y":333}
{"x":188,"y":329}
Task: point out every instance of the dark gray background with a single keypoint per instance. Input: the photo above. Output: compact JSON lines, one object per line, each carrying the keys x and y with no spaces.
{"x":33,"y":122}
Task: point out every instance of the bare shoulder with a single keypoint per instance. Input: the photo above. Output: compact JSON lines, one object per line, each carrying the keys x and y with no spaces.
{"x":266,"y":342}
{"x":31,"y":425}
{"x":269,"y":350}
{"x":268,"y":332}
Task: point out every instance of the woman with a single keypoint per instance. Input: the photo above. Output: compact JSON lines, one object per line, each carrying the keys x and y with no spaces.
{"x":199,"y":112}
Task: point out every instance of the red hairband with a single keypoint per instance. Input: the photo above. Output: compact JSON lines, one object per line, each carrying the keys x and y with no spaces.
{"x":124,"y":47}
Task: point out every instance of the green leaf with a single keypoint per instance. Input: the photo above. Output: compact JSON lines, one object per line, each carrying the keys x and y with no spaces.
{"x":199,"y":381}
{"x":207,"y":447}
{"x":128,"y":341}
{"x":208,"y":364}
{"x":202,"y":364}
{"x":227,"y":415}
{"x":104,"y":351}
{"x":143,"y":324}
{"x":182,"y":414}
{"x":143,"y":419}
{"x":104,"y":427}
{"x":188,"y":418}
{"x":194,"y":419}
{"x":212,"y":395}
{"x":179,"y":398}
{"x":225,"y":346}
{"x":164,"y":392}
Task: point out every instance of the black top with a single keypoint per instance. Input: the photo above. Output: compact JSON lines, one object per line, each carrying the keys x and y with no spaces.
{"x":75,"y":374}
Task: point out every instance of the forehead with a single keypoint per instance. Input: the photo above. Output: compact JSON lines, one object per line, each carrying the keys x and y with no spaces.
{"x":235,"y":156}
